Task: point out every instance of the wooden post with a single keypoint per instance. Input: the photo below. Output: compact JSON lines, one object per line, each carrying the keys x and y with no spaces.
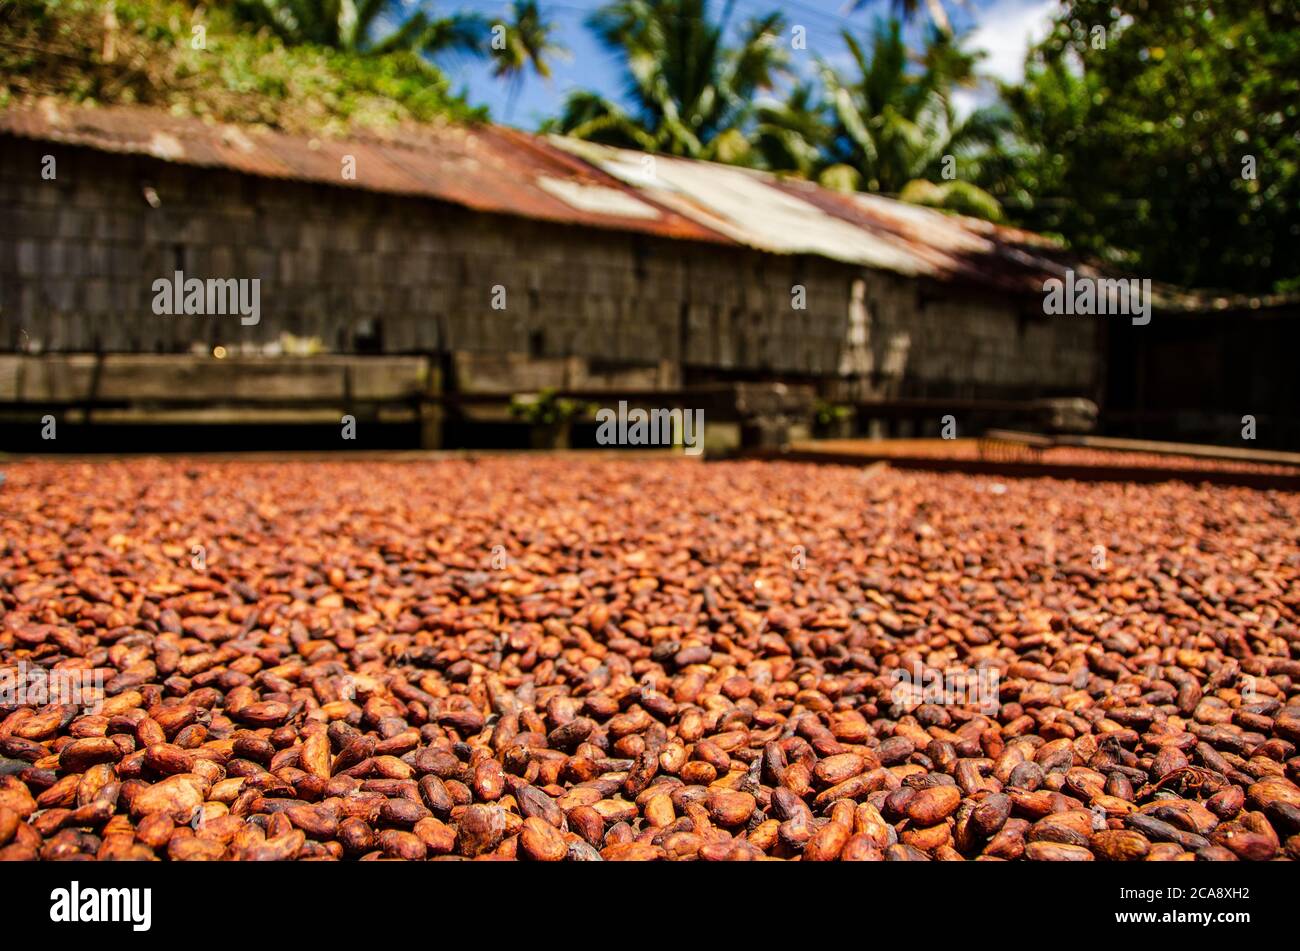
{"x":432,"y":412}
{"x":767,"y":410}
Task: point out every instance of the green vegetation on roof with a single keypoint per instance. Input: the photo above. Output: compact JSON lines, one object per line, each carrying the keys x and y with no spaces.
{"x":197,"y":60}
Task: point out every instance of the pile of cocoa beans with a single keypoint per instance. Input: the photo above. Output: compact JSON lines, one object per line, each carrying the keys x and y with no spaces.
{"x":585,"y":659}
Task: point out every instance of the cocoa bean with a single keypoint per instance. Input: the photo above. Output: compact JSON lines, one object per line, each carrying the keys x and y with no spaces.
{"x":652,"y":684}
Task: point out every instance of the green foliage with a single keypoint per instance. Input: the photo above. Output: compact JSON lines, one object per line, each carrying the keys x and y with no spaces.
{"x":909,"y":9}
{"x":141,"y":51}
{"x":894,"y":122}
{"x":1133,"y":144}
{"x":545,"y":408}
{"x":528,"y":44}
{"x":693,"y":94}
{"x":961,"y":197}
{"x":525,"y":41}
{"x":826,"y":413}
{"x":890,"y":128}
{"x":350,"y":26}
{"x":881,"y":130}
{"x":791,"y":135}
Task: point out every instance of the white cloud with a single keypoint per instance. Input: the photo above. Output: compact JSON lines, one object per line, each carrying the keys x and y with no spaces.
{"x":1006,"y":30}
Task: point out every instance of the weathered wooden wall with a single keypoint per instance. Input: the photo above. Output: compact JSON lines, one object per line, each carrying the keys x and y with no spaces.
{"x":376,"y":273}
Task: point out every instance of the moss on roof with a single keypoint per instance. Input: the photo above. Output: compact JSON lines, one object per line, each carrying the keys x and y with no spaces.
{"x":149,"y":52}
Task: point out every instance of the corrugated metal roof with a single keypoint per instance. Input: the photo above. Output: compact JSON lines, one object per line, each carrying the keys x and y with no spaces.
{"x":789,"y":216}
{"x":551,"y":178}
{"x":481,"y":167}
{"x":749,"y":207}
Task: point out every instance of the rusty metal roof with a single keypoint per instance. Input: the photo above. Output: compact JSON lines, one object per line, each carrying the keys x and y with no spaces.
{"x":790,"y":216}
{"x":481,"y":167}
{"x":550,"y":178}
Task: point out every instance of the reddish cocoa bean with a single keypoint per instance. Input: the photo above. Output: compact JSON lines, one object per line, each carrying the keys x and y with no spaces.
{"x":368,"y":695}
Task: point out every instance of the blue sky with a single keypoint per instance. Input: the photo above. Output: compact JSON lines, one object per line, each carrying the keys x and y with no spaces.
{"x":1003,"y":28}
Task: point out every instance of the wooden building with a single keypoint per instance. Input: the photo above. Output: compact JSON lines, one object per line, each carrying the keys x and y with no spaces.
{"x":481,"y":260}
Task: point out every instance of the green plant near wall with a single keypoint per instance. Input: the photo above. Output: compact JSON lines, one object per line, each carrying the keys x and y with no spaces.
{"x":199,"y":60}
{"x":546,"y":408}
{"x":827,"y":413}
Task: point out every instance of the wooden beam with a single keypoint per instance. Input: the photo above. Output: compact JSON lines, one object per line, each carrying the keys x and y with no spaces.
{"x":1200,"y":451}
{"x":1152,"y":447}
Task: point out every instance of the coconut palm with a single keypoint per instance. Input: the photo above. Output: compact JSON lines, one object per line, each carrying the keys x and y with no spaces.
{"x":692,"y":94}
{"x":353,"y":25}
{"x":525,"y":43}
{"x":908,"y":9}
{"x":790,"y":134}
{"x":895,"y":123}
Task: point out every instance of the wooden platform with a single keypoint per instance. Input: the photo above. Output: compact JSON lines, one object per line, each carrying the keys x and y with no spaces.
{"x":1130,"y":465}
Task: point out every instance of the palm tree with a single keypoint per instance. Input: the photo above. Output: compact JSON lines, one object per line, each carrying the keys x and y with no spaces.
{"x":1053,"y":103}
{"x":790,"y":135}
{"x":693,"y":95}
{"x":351,"y":25}
{"x":526,"y":43}
{"x":908,"y":9}
{"x":895,"y":126}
